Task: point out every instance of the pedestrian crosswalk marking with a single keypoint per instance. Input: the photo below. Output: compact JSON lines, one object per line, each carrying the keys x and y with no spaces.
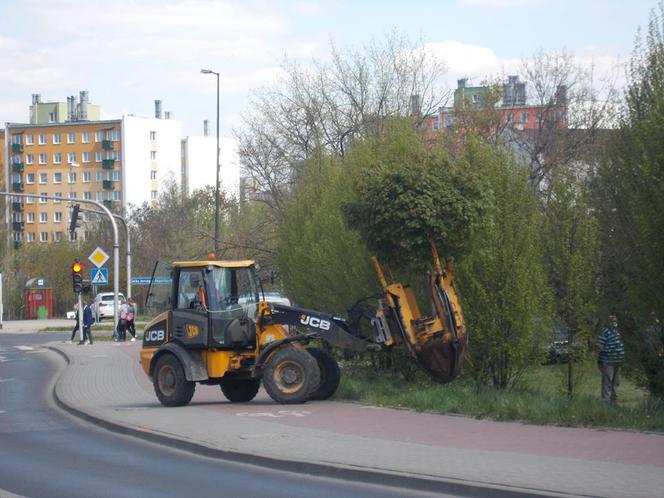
{"x":24,"y":348}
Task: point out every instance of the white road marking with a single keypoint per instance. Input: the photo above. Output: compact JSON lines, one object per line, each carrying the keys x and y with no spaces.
{"x":99,"y":356}
{"x":36,"y":351}
{"x":2,"y":358}
{"x":24,"y":348}
{"x":2,"y":411}
{"x":6,"y":380}
{"x":277,"y":414}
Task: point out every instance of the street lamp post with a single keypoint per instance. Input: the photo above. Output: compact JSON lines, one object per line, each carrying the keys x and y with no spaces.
{"x":216,"y":190}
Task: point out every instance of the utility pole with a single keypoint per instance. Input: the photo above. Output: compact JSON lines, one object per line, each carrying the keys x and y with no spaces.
{"x":217,"y":235}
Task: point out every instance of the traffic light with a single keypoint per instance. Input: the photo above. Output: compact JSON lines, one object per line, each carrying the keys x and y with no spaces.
{"x":73,"y":223}
{"x":77,"y":276}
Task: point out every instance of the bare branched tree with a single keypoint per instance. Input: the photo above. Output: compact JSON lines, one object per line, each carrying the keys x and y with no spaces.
{"x":328,"y":105}
{"x":576,"y":106}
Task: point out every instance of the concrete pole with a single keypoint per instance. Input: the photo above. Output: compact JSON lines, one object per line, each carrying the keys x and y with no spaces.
{"x":80,"y":317}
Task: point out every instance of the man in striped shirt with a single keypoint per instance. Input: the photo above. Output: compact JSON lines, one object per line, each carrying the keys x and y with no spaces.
{"x":611,"y":355}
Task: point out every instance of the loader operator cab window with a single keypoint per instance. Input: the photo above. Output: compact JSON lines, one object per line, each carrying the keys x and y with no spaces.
{"x":233,"y":292}
{"x":191,"y":290}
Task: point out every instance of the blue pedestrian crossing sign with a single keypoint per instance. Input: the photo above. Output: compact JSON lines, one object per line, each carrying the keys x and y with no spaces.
{"x":99,"y":276}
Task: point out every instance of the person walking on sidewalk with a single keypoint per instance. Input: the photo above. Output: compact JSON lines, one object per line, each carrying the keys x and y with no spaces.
{"x":611,"y":355}
{"x":122,"y":321}
{"x":88,"y":320}
{"x":131,"y":313}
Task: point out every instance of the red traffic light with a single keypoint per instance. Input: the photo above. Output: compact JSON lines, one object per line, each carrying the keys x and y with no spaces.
{"x":77,"y":267}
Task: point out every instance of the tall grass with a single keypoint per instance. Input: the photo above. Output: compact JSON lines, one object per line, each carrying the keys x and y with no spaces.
{"x":540,"y":399}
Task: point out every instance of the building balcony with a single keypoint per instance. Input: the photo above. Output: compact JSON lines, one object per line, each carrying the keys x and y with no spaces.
{"x":107,"y":163}
{"x":17,"y":148}
{"x":18,"y":226}
{"x":107,"y":145}
{"x":18,"y":167}
{"x":17,"y":186}
{"x":17,"y":206}
{"x":107,"y":185}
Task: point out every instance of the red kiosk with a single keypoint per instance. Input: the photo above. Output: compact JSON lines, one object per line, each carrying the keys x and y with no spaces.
{"x":38,"y":299}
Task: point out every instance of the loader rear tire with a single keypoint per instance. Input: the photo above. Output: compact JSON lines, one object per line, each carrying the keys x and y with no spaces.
{"x":170,"y":384}
{"x":290,"y":375}
{"x":240,"y":390}
{"x":330,"y":374}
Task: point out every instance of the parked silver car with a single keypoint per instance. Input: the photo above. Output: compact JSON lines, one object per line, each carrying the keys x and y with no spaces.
{"x":102,"y":306}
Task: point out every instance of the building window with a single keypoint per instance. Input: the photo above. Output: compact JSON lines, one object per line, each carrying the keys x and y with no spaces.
{"x":524,"y":117}
{"x":88,"y":235}
{"x":57,"y":194}
{"x":42,"y":158}
{"x":86,"y":157}
{"x":71,"y":157}
{"x":51,"y":118}
{"x":43,"y":236}
{"x":43,"y":178}
{"x":153,"y":195}
{"x":99,"y":176}
{"x":71,"y":177}
{"x":87,"y":196}
{"x":18,"y":236}
{"x":30,"y":217}
{"x":114,"y":175}
{"x":42,"y":198}
{"x":510,"y":117}
{"x":71,"y":137}
{"x":57,"y":138}
{"x":57,"y":158}
{"x":57,"y":236}
{"x":99,"y":136}
{"x":42,"y":139}
{"x":57,"y":217}
{"x":43,"y":217}
{"x":153,"y":175}
{"x":99,"y":156}
{"x":434,"y":125}
{"x":476,"y":98}
{"x":29,"y":158}
{"x":30,"y":178}
{"x":153,"y":155}
{"x":114,"y":195}
{"x":72,"y":236}
{"x":31,"y":236}
{"x":71,"y":195}
{"x":29,"y":199}
{"x":113,"y":135}
{"x":86,"y":177}
{"x":57,"y":177}
{"x":153,"y":135}
{"x":85,"y":137}
{"x":100,"y":196}
{"x":16,"y":178}
{"x":29,"y":140}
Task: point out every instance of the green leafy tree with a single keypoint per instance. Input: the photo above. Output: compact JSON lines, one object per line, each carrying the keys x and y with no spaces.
{"x":630,"y":200}
{"x":502,"y":277}
{"x":572,"y":258}
{"x":407,"y":194}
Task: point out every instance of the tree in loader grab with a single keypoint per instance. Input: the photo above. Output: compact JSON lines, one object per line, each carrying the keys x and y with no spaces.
{"x":214,"y":328}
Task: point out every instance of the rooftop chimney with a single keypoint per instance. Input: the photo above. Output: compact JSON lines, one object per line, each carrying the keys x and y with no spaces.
{"x":71,"y":108}
{"x":462,"y":83}
{"x":561,"y":95}
{"x":84,"y":105}
{"x":415,"y":105}
{"x":205,"y":128}
{"x":157,"y":109}
{"x":167,"y":115}
{"x":36,"y":98}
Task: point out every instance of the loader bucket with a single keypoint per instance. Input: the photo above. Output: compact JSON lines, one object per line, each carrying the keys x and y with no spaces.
{"x":437,"y":342}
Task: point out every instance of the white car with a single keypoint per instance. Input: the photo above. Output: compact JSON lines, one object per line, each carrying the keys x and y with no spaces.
{"x":102,"y":306}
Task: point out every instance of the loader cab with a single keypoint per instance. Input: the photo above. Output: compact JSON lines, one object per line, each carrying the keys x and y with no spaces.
{"x":212,"y":304}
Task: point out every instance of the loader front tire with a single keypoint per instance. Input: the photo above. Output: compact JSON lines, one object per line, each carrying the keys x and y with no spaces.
{"x":170,"y":384}
{"x":240,"y":390}
{"x":290,"y":375}
{"x":330,"y":375}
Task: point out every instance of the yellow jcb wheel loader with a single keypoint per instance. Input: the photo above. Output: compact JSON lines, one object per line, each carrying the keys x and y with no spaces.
{"x":212,"y":327}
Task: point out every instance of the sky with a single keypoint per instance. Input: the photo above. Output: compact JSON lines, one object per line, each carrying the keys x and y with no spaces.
{"x":127,"y":53}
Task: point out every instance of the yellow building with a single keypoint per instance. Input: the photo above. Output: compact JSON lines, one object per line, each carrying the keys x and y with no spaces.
{"x":71,"y":160}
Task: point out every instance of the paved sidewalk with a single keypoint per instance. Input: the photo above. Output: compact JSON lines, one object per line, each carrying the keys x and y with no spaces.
{"x":105,"y":382}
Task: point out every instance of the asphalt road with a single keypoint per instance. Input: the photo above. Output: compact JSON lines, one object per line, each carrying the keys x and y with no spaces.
{"x":47,"y":453}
